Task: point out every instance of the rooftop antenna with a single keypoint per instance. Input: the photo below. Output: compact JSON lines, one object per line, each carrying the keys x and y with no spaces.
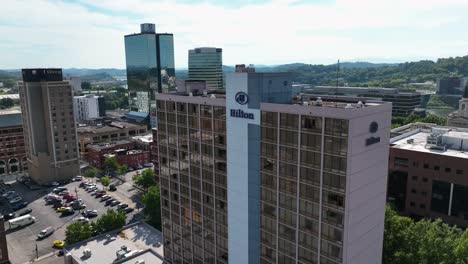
{"x":337,"y":79}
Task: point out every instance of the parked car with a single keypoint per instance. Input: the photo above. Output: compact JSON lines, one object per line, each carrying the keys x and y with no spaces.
{"x":58,"y":243}
{"x":128,"y":210}
{"x":122,"y":206}
{"x":108,"y":202}
{"x":77,"y":178}
{"x":105,"y":198}
{"x":58,"y":204}
{"x":81,"y":219}
{"x":8,"y":216}
{"x":89,"y":213}
{"x":112,"y":187}
{"x":60,"y":209}
{"x":62,"y":193}
{"x":78,"y":206}
{"x":20,"y":205}
{"x":82,"y":184}
{"x":15,"y":200}
{"x":24,"y":212}
{"x":68,"y":211}
{"x":100,"y":194}
{"x":9,"y":195}
{"x":45,"y":232}
{"x":21,"y":221}
{"x":52,"y":184}
{"x":114,"y":203}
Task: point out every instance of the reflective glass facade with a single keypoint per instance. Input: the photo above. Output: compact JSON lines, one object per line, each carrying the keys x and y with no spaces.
{"x":207,"y":64}
{"x":142,"y":69}
{"x":192,"y":155}
{"x":303,"y":180}
{"x":150,"y":69}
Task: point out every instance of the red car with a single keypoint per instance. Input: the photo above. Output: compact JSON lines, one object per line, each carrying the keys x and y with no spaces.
{"x":100,"y":193}
{"x":68,"y":196}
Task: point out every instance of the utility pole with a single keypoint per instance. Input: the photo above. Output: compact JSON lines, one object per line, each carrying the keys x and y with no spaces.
{"x":37,"y":252}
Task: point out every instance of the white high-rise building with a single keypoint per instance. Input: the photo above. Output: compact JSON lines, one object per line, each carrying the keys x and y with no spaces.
{"x":254,"y":176}
{"x":89,"y":107}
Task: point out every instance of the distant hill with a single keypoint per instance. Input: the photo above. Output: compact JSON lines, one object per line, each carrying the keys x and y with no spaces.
{"x":84,"y":71}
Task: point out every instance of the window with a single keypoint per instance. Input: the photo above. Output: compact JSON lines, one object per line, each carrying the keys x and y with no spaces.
{"x":422,"y":206}
{"x":413,"y":190}
{"x":426,"y":166}
{"x":436,"y":168}
{"x":459,"y":172}
{"x":414,"y":178}
{"x":411,"y":204}
{"x":448,"y":169}
{"x":425,"y":179}
{"x":402,"y":162}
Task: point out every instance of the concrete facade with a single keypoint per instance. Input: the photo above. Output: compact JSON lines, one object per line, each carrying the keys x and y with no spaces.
{"x":251,"y":177}
{"x":49,"y":125}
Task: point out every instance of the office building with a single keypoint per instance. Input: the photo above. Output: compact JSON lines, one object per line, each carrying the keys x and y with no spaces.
{"x":460,"y":118}
{"x":106,"y":132}
{"x":427,"y":172}
{"x":206,"y":64}
{"x":403,"y":103}
{"x":450,"y":85}
{"x":254,"y":177}
{"x":243,"y":68}
{"x":150,"y":68}
{"x":88,"y":107}
{"x":12,"y":149}
{"x":75,"y":82}
{"x":48,"y":125}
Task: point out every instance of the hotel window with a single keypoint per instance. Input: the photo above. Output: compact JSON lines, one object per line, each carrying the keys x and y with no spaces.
{"x":402,"y":162}
{"x":308,"y":241}
{"x":269,"y":135}
{"x":269,"y":119}
{"x":336,"y":127}
{"x":289,"y":121}
{"x":311,"y":141}
{"x":288,"y":137}
{"x":311,"y":124}
{"x":288,"y":154}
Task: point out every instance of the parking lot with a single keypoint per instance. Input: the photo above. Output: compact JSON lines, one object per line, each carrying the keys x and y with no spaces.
{"x":22,"y":242}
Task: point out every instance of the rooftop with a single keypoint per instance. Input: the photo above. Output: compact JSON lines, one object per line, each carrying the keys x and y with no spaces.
{"x":148,"y":138}
{"x":11,"y":96}
{"x":9,"y":118}
{"x":433,"y":139}
{"x":105,"y":145}
{"x":113,"y":126}
{"x":142,"y":240}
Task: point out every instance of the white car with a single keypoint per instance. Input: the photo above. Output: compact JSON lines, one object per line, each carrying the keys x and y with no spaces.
{"x":77,"y":178}
{"x":81,"y":219}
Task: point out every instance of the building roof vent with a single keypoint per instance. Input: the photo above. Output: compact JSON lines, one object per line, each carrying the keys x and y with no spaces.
{"x":190,"y":94}
{"x":87,"y":253}
{"x":212,"y":96}
{"x":205,"y":93}
{"x":360,"y":104}
{"x":349,"y":106}
{"x":305,"y":103}
{"x":319,"y":101}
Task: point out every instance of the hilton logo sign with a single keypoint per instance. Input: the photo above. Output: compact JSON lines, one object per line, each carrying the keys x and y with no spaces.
{"x":242,"y":99}
{"x":373,"y":128}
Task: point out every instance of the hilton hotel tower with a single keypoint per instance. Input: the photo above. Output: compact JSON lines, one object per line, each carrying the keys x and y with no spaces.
{"x":253,"y":176}
{"x":48,"y":125}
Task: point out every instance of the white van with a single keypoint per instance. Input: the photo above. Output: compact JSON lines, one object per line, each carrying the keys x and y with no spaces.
{"x":21,"y":221}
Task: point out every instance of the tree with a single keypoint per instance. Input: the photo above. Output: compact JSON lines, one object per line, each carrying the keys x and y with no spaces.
{"x":110,"y":220}
{"x":122,"y":169}
{"x":424,"y":241}
{"x":105,"y":181}
{"x":152,"y":201}
{"x":111,"y":163}
{"x":146,"y":179}
{"x":6,"y":103}
{"x":86,"y":85}
{"x":78,"y":231}
{"x":90,"y":173}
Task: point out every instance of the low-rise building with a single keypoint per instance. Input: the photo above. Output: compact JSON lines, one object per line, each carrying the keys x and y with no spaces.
{"x":134,"y":243}
{"x":460,"y":118}
{"x":12,"y":149}
{"x":96,"y":152}
{"x":427,"y":172}
{"x":101,"y":132}
{"x":132,"y":158}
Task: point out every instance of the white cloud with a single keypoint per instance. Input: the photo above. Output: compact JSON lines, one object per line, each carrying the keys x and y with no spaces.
{"x":54,"y":33}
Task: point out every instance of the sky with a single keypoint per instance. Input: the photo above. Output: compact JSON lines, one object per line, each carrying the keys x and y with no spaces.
{"x":90,"y":33}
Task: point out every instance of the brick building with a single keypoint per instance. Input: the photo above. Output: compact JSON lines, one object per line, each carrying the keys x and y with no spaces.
{"x":427,"y":172}
{"x":113,"y":131}
{"x":96,"y":152}
{"x":132,"y":158}
{"x":12,"y":150}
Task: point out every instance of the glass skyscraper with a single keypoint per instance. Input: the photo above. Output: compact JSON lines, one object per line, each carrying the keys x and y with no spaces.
{"x":206,"y":64}
{"x":150,"y":68}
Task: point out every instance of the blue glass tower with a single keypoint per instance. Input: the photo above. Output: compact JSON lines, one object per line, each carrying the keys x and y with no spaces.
{"x":150,"y":68}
